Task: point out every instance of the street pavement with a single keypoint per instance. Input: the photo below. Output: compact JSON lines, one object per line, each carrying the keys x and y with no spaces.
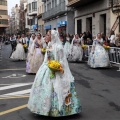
{"x":98,"y":89}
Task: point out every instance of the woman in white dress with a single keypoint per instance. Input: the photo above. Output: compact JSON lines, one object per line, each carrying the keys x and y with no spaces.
{"x":54,"y":96}
{"x":67,"y":45}
{"x":98,"y":56}
{"x":37,"y":56}
{"x":76,"y":51}
{"x":30,"y":53}
{"x":19,"y":53}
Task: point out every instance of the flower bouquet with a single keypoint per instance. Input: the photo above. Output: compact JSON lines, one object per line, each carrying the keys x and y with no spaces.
{"x":107,"y":47}
{"x":25,"y":48}
{"x":84,"y":46}
{"x":54,"y":66}
{"x":43,"y":50}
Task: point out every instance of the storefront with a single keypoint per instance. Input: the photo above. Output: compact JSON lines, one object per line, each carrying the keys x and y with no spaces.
{"x":62,"y":25}
{"x":34,"y":27}
{"x":47,"y":28}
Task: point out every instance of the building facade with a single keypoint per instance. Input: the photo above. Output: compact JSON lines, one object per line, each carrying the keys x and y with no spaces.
{"x":95,"y":16}
{"x":12,"y":21}
{"x":17,"y":17}
{"x":32,"y":15}
{"x":57,"y":16}
{"x":40,"y":11}
{"x":3,"y":16}
{"x":22,"y":17}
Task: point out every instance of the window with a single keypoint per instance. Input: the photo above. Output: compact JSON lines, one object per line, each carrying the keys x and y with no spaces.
{"x":29,"y":7}
{"x":3,"y":12}
{"x":55,"y":2}
{"x":52,"y":3}
{"x":4,"y":21}
{"x":3,"y":2}
{"x":34,"y":6}
{"x":45,"y":8}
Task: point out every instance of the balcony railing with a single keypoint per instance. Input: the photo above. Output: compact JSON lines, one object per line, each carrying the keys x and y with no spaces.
{"x":58,"y":10}
{"x":77,"y":3}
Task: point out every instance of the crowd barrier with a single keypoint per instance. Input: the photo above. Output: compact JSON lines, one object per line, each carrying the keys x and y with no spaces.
{"x":113,"y":52}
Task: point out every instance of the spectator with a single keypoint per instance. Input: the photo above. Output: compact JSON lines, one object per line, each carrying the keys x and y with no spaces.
{"x":112,"y":39}
{"x":117,"y":40}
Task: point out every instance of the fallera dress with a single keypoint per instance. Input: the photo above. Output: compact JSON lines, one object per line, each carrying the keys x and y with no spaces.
{"x":35,"y":58}
{"x":67,"y":47}
{"x":98,"y":56}
{"x":19,"y":53}
{"x":76,"y":51}
{"x":56,"y":96}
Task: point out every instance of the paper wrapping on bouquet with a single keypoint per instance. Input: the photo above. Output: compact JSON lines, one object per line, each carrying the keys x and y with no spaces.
{"x":84,"y":46}
{"x":55,"y":66}
{"x":107,"y":47}
{"x":43,"y":50}
{"x":25,"y":48}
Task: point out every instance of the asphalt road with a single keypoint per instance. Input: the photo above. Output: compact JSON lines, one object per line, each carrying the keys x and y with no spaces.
{"x":98,"y":89}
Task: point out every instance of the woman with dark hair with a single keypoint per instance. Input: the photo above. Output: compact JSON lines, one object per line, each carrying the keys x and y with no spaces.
{"x":37,"y":56}
{"x":112,"y":39}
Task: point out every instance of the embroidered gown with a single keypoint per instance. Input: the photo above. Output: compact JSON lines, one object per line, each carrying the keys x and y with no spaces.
{"x":36,"y":58}
{"x":30,"y":55}
{"x":76,"y":51}
{"x":67,"y":46}
{"x":98,"y":56}
{"x":19,"y":53}
{"x":50,"y":96}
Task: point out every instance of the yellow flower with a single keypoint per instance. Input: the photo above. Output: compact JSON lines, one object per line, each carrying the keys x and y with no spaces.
{"x":24,"y":45}
{"x":55,"y":65}
{"x":107,"y":47}
{"x":84,"y":46}
{"x":43,"y":50}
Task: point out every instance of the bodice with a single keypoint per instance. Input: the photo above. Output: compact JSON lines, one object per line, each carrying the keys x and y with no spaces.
{"x":76,"y":41}
{"x":37,"y":44}
{"x":67,"y":39}
{"x":98,"y":42}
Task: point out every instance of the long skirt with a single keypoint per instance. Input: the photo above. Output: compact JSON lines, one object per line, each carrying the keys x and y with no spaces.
{"x":19,"y":53}
{"x":44,"y":100}
{"x":76,"y":53}
{"x":99,"y":58}
{"x":67,"y":49}
{"x":34,"y":61}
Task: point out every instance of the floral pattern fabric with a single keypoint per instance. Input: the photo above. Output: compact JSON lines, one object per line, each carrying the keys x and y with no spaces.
{"x":99,"y":56}
{"x":43,"y":98}
{"x":34,"y":59}
{"x":76,"y":51}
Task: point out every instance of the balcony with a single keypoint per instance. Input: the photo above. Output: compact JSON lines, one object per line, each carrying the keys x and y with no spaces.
{"x":115,"y":4}
{"x":56,"y":11}
{"x":32,"y":12}
{"x":78,"y":3}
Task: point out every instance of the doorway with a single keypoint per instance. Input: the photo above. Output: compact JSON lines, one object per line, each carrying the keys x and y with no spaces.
{"x":89,"y":24}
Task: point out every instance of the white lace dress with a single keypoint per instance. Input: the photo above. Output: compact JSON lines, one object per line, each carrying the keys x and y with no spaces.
{"x":19,"y":53}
